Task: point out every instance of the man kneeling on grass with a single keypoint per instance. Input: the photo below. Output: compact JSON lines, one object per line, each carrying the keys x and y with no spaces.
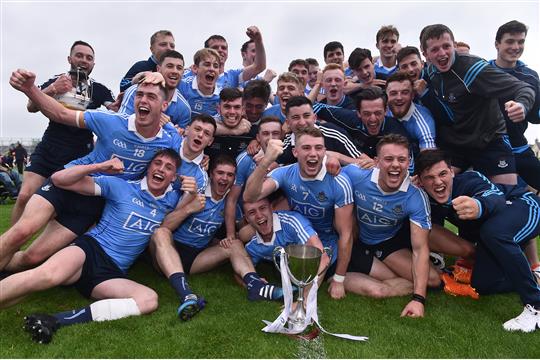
{"x":97,"y":262}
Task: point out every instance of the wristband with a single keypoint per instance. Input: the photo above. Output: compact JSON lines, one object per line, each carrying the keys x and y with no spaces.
{"x":338,"y":278}
{"x":419,"y":298}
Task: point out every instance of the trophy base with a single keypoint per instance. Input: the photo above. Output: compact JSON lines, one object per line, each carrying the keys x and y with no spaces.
{"x":310,"y":333}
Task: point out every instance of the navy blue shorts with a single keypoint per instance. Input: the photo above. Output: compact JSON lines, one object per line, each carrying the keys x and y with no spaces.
{"x":187,"y":255}
{"x":74,"y":211}
{"x":46,"y":159}
{"x":496,"y":159}
{"x":362,"y":254}
{"x":97,"y":268}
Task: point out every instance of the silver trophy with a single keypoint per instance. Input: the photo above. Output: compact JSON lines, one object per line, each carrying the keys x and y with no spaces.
{"x":80,"y":96}
{"x":302,"y":263}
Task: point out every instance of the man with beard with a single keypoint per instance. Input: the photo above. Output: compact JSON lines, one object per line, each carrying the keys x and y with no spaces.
{"x":416,"y":119}
{"x":62,"y":143}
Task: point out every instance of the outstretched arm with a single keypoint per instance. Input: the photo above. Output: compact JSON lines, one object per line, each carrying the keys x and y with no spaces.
{"x":259,"y":63}
{"x":23,"y":81}
{"x":76,"y":178}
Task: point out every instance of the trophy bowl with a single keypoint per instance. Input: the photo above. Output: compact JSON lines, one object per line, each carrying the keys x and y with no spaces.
{"x":302,"y":263}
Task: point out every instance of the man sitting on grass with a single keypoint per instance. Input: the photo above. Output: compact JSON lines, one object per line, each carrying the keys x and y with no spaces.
{"x":97,"y":262}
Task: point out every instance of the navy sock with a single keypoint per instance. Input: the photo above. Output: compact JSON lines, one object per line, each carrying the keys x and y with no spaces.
{"x":251,"y":279}
{"x":74,"y":316}
{"x":180,"y":285}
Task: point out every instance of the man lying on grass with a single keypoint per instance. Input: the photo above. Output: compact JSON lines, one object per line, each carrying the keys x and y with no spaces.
{"x":97,"y":262}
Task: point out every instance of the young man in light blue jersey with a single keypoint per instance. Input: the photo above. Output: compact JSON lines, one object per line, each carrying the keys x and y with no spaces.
{"x":277,"y":228}
{"x":182,"y":245}
{"x":97,"y":262}
{"x":171,"y":66}
{"x":387,"y":205}
{"x":133,"y":139}
{"x":269,"y":128}
{"x":288,"y":85}
{"x":236,"y":77}
{"x":416,"y":118}
{"x":386,"y":41}
{"x":200,"y":90}
{"x":324,"y":199}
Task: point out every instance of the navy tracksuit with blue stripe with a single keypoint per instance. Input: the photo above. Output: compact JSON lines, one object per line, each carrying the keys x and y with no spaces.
{"x":509,"y":218}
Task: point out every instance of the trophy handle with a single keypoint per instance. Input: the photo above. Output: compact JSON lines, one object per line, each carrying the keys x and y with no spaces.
{"x":329,"y":252}
{"x":278,"y":250}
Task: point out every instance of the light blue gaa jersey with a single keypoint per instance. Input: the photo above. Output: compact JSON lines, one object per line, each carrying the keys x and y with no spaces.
{"x":420,"y":125}
{"x":382,"y":70}
{"x":275,"y":110}
{"x":130,"y":216}
{"x":230,"y":78}
{"x":199,"y":229}
{"x":244,"y":168}
{"x":198,"y":102}
{"x":117,"y":136}
{"x":315,"y":198}
{"x":380,"y":215}
{"x":178,"y":109}
{"x":194,"y":169}
{"x":289,"y":227}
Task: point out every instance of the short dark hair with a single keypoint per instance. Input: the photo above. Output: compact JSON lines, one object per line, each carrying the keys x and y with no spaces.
{"x":213,"y":37}
{"x":434,"y":31}
{"x":229,"y":94}
{"x":331,"y":46}
{"x":170,"y":54}
{"x":221,"y":159}
{"x":369,"y":93}
{"x":80,"y":42}
{"x":300,"y":62}
{"x":427,"y":158}
{"x":406,"y":51}
{"x":399,"y":77}
{"x":257,"y":89}
{"x":395,"y":139}
{"x":308,"y":131}
{"x":204,"y":118}
{"x":312,"y":61}
{"x":296,"y":101}
{"x":170,"y":153}
{"x":357,"y":56}
{"x":245,"y":45}
{"x":511,"y":27}
{"x":268,"y":119}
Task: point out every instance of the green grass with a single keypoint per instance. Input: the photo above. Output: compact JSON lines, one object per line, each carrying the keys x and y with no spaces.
{"x":230,"y":326}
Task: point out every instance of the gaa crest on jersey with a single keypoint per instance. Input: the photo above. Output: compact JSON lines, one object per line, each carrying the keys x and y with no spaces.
{"x":293,"y":187}
{"x":322,"y":196}
{"x":398,"y":210}
{"x":502,"y":164}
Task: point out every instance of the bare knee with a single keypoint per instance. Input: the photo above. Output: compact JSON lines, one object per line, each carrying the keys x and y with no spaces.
{"x":147,"y":301}
{"x":434,"y":280}
{"x":24,"y":195}
{"x":380,"y":291}
{"x":162,"y":237}
{"x":19,"y":233}
{"x":31,"y":258}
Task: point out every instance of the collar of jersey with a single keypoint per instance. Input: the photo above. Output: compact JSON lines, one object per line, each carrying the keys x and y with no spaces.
{"x":133,"y":128}
{"x":208,"y":194}
{"x":276,"y":226}
{"x":197,"y":160}
{"x":144,"y":186}
{"x":375,"y":179}
{"x":195,"y":86}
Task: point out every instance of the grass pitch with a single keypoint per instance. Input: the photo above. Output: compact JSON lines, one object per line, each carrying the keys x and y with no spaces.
{"x":230,"y":326}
